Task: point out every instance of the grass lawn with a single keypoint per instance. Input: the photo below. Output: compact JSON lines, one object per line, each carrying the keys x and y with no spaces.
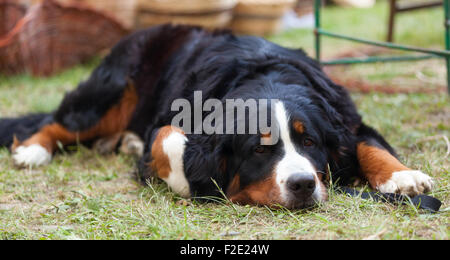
{"x":82,"y":195}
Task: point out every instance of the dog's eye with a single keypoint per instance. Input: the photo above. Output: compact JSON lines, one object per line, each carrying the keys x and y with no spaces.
{"x":307,"y":142}
{"x":259,"y":149}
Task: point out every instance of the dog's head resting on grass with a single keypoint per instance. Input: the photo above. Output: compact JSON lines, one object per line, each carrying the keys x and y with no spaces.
{"x":268,"y":140}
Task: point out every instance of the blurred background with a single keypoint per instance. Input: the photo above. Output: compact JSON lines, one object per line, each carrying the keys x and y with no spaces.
{"x":44,"y":37}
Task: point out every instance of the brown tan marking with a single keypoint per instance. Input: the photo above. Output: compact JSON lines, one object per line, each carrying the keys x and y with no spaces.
{"x":15,"y":144}
{"x":265,"y":192}
{"x":160,"y":161}
{"x":266,"y":139}
{"x":377,"y":165}
{"x":266,"y":135}
{"x":298,"y":127}
{"x":234,"y":186}
{"x":115,"y":120}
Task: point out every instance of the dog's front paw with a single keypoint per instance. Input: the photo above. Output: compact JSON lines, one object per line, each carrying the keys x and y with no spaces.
{"x":407,"y":182}
{"x":33,"y":155}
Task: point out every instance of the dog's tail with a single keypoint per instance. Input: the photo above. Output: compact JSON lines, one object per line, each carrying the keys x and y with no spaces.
{"x":21,"y":127}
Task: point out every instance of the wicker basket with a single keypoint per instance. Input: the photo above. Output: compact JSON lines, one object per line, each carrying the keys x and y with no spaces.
{"x":10,"y":13}
{"x":51,"y":37}
{"x":260,"y":17}
{"x":304,"y":7}
{"x":122,"y":10}
{"x":206,"y":13}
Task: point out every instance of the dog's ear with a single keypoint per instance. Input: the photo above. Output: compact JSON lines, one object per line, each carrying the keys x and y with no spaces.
{"x":339,"y":142}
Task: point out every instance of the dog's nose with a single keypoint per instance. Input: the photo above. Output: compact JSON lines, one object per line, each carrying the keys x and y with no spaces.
{"x":302,"y":184}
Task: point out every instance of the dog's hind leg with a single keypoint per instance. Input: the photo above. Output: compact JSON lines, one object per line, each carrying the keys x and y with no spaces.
{"x":38,"y":149}
{"x":384,"y":172}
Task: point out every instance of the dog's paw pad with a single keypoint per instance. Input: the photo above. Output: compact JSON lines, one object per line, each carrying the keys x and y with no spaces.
{"x":407,"y":183}
{"x":132,"y":144}
{"x":106,"y":145}
{"x":33,"y":155}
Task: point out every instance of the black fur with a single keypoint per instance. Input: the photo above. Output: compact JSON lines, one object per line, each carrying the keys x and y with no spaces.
{"x":22,"y":127}
{"x":169,"y":62}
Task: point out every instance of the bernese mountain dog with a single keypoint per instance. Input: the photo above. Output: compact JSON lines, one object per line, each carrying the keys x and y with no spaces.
{"x":131,"y":95}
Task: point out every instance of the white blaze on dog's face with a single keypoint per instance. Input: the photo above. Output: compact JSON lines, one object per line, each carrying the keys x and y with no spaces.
{"x":295,"y":174}
{"x":271,"y":175}
{"x":281,"y":173}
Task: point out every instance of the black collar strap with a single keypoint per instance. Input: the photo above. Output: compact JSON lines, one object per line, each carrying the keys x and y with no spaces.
{"x":421,"y":201}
